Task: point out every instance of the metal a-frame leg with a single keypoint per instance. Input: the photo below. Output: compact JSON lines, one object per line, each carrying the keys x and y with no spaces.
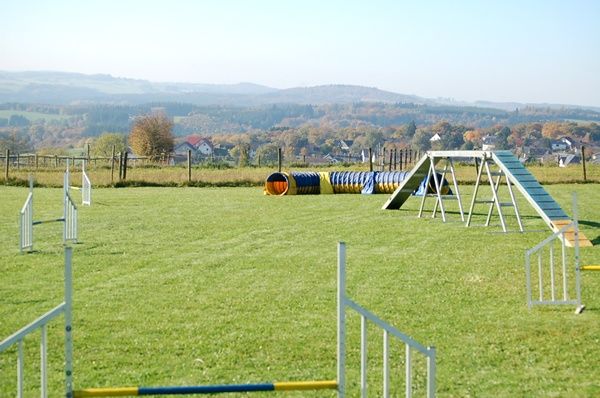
{"x":457,"y":192}
{"x":475,"y":190}
{"x":438,"y":189}
{"x":513,"y":202}
{"x":431,"y":165}
{"x":515,"y":206}
{"x":494,"y":186}
{"x":437,"y":194}
{"x":449,"y":165}
{"x":495,"y":196}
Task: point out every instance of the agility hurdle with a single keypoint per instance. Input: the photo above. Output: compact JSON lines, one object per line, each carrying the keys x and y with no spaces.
{"x":69,"y":218}
{"x":86,"y":185}
{"x":556,"y":268}
{"x":40,"y":324}
{"x":343,"y":303}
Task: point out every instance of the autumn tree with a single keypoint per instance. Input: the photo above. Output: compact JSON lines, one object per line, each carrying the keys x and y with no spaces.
{"x":104,"y":145}
{"x":151,"y":135}
{"x":421,"y":140}
{"x":268,"y":153}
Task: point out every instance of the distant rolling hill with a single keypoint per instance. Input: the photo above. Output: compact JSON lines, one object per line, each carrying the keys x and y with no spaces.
{"x":63,"y":88}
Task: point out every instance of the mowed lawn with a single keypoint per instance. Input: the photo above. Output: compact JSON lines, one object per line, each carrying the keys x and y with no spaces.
{"x":188,"y":286}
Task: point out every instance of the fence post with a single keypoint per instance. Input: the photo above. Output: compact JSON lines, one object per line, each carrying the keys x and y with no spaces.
{"x":279,"y":159}
{"x":125,"y":166}
{"x":120,"y":166}
{"x":189,"y":165}
{"x":400,"y":158}
{"x":583,"y":162}
{"x":7,"y":159}
{"x":258,"y":160}
{"x":391,"y":158}
{"x":112,"y":164}
{"x":370,"y":159}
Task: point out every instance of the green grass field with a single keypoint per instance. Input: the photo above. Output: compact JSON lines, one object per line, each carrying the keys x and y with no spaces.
{"x":32,"y":116}
{"x":187,"y":286}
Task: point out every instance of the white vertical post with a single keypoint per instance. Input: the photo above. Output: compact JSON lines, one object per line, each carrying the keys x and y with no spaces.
{"x":363,"y":356}
{"x":528,"y":279}
{"x":68,"y":323}
{"x":577,"y":270}
{"x":20,"y":369}
{"x":408,"y":367}
{"x":552,"y":287}
{"x":386,"y":364}
{"x":564,"y":266}
{"x":540,"y":271}
{"x":341,"y":332}
{"x":66,"y":218}
{"x":43,"y":363}
{"x":431,"y":373}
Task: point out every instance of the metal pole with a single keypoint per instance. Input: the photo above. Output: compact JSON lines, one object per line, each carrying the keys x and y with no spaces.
{"x":341,"y":329}
{"x":370,"y":159}
{"x":68,"y":322}
{"x":20,"y":369}
{"x":431,"y":373}
{"x":577,"y":270}
{"x":43,"y":363}
{"x":386,"y":364}
{"x":408,"y":370}
{"x":363,"y":356}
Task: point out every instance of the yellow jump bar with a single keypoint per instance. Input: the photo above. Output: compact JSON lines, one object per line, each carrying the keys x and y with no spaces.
{"x":306,"y":385}
{"x":590,"y":267}
{"x":106,"y":392}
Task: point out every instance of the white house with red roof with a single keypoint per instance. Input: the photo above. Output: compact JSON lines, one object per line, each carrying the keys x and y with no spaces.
{"x":200,"y":146}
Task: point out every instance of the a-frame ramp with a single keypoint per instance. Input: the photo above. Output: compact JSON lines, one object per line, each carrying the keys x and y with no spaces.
{"x":550,"y":211}
{"x":409,"y":185}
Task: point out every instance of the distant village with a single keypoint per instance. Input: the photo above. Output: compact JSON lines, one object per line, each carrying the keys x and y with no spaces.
{"x":562,"y":152}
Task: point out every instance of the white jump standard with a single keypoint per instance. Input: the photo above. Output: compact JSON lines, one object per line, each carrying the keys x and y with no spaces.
{"x":69,"y":218}
{"x":86,"y":185}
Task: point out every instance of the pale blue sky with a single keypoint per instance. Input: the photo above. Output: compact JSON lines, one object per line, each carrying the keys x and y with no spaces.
{"x":527,"y":51}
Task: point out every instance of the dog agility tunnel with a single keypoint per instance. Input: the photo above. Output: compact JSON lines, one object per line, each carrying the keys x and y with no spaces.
{"x":335,"y":182}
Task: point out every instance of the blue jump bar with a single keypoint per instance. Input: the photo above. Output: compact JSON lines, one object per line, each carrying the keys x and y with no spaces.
{"x":205,"y":389}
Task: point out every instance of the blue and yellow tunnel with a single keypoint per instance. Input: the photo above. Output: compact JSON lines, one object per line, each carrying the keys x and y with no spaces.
{"x":364,"y":182}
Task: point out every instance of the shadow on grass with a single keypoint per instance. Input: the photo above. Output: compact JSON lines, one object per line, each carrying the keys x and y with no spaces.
{"x":595,"y":241}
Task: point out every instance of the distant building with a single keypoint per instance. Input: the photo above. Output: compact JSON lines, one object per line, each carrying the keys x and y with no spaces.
{"x":565,"y":159}
{"x":199,"y":146}
{"x":345,"y":145}
{"x":436,"y":137}
{"x":489,"y":143}
{"x":558,"y":145}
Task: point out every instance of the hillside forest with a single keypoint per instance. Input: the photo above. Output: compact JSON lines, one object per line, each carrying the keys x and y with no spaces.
{"x":303,"y":130}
